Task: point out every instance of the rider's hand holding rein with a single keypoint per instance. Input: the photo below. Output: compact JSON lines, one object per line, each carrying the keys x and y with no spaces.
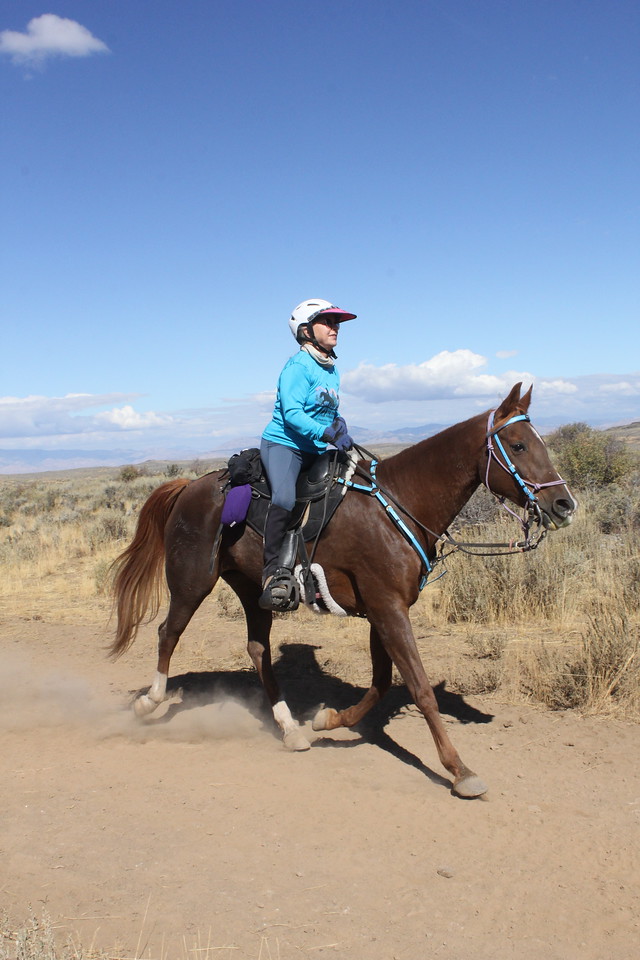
{"x":338,"y":435}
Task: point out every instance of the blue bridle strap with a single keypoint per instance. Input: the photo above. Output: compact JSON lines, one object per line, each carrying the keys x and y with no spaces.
{"x":374,"y":491}
{"x":507,"y":462}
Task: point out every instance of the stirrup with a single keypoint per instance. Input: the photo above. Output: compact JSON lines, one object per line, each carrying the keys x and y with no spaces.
{"x":281,"y":592}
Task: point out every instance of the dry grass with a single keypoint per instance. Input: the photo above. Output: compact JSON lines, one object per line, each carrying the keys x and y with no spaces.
{"x":59,"y":535}
{"x":600,"y":674}
{"x":38,"y":939}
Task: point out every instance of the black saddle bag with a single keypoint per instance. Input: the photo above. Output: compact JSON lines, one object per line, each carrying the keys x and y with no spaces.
{"x":245,"y":467}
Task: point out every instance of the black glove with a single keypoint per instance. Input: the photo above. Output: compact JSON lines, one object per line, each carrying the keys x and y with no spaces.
{"x":337,"y":429}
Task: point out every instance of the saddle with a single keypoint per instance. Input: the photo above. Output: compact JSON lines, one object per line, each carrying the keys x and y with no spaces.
{"x":318,"y":496}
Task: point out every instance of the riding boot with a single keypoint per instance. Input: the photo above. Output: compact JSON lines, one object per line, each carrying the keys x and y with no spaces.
{"x":281,"y":591}
{"x":275,"y":529}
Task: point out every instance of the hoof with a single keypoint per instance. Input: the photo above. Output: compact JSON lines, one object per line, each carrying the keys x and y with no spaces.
{"x":295,"y":740}
{"x":470,"y":786}
{"x":322,"y":719}
{"x":144,"y":705}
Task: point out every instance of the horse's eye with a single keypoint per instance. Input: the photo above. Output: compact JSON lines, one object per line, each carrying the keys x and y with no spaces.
{"x":518,"y":447}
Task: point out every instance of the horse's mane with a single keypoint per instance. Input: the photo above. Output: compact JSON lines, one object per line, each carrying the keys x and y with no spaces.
{"x":447,"y":438}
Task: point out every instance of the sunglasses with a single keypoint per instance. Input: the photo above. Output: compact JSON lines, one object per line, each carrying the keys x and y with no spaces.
{"x":329,"y":320}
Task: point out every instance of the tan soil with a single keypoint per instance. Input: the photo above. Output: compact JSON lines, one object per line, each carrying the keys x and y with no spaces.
{"x":197,"y":835}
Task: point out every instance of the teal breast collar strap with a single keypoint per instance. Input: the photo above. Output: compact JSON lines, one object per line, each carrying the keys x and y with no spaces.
{"x":374,"y":490}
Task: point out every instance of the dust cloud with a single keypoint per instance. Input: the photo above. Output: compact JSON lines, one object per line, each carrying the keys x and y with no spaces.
{"x":220,"y":720}
{"x":31,"y":699}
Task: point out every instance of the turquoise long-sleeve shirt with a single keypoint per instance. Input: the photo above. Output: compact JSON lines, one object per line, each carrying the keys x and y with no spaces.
{"x":306,"y":404}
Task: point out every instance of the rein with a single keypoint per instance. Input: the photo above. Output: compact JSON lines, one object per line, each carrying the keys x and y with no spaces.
{"x":532,"y":510}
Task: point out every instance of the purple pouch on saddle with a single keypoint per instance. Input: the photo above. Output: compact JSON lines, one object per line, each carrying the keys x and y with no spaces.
{"x":236,"y":505}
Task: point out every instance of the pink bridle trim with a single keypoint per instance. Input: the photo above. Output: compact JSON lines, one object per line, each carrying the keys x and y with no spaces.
{"x":510,"y":469}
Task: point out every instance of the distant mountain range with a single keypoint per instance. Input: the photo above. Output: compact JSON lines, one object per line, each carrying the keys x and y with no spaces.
{"x":39,"y":461}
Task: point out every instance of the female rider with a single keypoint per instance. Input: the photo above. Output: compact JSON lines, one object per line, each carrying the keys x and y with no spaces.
{"x":305,"y":419}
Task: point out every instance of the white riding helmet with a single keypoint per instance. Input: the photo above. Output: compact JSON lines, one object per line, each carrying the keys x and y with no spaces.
{"x":310,"y":310}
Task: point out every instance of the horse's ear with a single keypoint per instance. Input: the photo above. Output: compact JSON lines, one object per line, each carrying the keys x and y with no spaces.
{"x":509,"y":405}
{"x":525,"y":400}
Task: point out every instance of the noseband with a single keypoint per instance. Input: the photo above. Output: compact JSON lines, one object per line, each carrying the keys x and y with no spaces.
{"x":528,"y":487}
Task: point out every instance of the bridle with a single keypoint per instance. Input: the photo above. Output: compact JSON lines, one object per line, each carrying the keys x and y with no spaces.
{"x":529,"y":487}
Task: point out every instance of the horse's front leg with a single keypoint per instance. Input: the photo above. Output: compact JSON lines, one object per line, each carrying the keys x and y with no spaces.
{"x":394,"y":628}
{"x":259,"y":649}
{"x":329,"y":719}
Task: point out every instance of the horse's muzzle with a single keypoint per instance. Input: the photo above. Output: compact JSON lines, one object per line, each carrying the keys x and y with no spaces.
{"x":561,"y":514}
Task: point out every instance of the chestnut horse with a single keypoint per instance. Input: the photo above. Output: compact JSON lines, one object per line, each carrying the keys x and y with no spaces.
{"x":371,"y":569}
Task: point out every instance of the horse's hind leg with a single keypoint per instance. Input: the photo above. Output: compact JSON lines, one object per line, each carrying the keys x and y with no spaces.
{"x":169,"y":632}
{"x":259,"y":649}
{"x":330,"y":719}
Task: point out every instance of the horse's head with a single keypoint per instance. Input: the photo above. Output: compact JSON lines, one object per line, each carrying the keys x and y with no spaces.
{"x":518,"y":465}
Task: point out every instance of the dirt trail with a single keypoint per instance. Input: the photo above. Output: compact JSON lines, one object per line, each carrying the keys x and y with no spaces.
{"x":198,"y":832}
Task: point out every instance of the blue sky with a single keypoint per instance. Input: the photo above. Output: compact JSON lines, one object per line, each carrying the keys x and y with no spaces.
{"x":177,"y":176}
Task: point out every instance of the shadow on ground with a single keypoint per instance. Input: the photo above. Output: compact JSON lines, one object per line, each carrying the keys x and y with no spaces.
{"x":306,"y":686}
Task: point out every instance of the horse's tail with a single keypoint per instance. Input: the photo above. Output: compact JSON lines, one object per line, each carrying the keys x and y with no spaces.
{"x":137,"y":585}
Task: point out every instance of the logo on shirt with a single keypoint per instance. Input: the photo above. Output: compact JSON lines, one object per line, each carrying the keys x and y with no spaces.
{"x":327,"y":400}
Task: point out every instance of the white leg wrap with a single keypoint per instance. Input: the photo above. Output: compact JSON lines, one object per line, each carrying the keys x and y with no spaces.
{"x":293,"y":737}
{"x":283,"y":717}
{"x":148,"y":702}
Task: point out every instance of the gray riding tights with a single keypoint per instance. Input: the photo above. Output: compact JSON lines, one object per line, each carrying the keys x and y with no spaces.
{"x":283,"y":466}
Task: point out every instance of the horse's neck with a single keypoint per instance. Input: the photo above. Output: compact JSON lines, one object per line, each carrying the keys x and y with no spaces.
{"x":435,"y":478}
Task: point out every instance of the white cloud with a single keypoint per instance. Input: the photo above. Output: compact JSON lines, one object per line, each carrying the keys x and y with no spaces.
{"x":264,"y":399}
{"x":552,"y":388}
{"x":506,"y":354}
{"x":50,"y":36}
{"x":447,"y":375}
{"x":624,"y":388}
{"x":37,"y":416}
{"x":129,"y":419}
{"x":74,"y":422}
